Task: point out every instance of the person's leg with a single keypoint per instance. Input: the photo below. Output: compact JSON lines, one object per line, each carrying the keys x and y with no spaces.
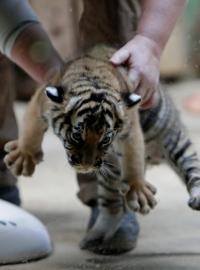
{"x":112,"y":229}
{"x":114,"y":23}
{"x":25,"y":87}
{"x":8,"y":131}
{"x":16,"y":225}
{"x":110,"y":22}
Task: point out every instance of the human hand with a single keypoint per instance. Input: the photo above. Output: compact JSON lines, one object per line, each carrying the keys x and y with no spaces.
{"x":142,"y":57}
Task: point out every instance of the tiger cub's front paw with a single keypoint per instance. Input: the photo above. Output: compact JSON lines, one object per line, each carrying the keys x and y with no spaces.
{"x":194,"y":201}
{"x":141,"y":199}
{"x":19,"y":161}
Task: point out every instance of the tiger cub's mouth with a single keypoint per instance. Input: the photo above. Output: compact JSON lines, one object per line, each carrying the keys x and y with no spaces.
{"x":85,"y":169}
{"x":84,"y":164}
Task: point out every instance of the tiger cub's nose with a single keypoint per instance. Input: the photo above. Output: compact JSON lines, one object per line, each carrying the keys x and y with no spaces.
{"x":74,"y":160}
{"x":98,"y":163}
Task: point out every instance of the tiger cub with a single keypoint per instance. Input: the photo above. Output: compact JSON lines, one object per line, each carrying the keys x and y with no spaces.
{"x":97,"y":120}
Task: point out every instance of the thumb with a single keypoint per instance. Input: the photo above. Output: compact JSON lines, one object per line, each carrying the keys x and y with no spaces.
{"x":134,"y":78}
{"x":120,"y":57}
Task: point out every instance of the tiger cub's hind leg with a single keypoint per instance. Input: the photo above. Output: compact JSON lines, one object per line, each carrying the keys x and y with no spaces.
{"x":179,"y":152}
{"x":23,"y":154}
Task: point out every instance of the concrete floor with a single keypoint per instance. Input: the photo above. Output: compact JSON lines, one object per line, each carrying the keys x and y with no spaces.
{"x":170,"y":235}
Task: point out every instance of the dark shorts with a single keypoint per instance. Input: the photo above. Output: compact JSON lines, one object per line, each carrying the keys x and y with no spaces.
{"x":108,"y":21}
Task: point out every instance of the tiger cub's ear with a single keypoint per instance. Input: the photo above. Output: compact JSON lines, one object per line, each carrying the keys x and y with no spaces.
{"x":55,"y":93}
{"x":131,"y":100}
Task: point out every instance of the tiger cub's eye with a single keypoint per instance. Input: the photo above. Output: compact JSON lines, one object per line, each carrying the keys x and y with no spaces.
{"x":76,"y":136}
{"x":107,"y":139}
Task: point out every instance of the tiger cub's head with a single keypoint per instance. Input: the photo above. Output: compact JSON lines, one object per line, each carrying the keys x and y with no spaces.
{"x":87,"y":115}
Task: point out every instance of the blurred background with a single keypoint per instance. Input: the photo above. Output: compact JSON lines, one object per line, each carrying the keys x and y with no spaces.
{"x":170,"y":234}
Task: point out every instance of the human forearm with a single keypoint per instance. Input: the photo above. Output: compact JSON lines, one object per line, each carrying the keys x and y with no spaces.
{"x":158,"y":19}
{"x":34,"y":52}
{"x":142,"y":53}
{"x":23,"y":40}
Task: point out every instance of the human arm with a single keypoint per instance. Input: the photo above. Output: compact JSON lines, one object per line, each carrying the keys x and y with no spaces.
{"x":142,"y":53}
{"x":24,"y":41}
{"x":34,"y":53}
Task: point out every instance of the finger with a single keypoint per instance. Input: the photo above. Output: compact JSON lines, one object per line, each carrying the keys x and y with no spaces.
{"x":140,"y":90}
{"x":147,"y":96}
{"x":120,"y":57}
{"x":150,"y":102}
{"x":134,"y":78}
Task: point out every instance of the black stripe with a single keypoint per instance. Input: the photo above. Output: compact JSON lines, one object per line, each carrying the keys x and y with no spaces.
{"x":61,"y":127}
{"x":113,"y":169}
{"x":80,"y":84}
{"x":171,"y":143}
{"x":58,"y":117}
{"x":110,"y":189}
{"x":109,"y":113}
{"x":183,"y":149}
{"x":79,"y":92}
{"x":87,"y":110}
{"x":124,"y":136}
{"x":88,"y":100}
{"x":82,"y":92}
{"x":108,"y":200}
{"x":149,"y":117}
{"x":83,"y":102}
{"x":192,"y":169}
{"x":68,"y":117}
{"x":192,"y":181}
{"x":55,"y":109}
{"x":116,"y":206}
{"x":191,"y":158}
{"x":188,"y":174}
